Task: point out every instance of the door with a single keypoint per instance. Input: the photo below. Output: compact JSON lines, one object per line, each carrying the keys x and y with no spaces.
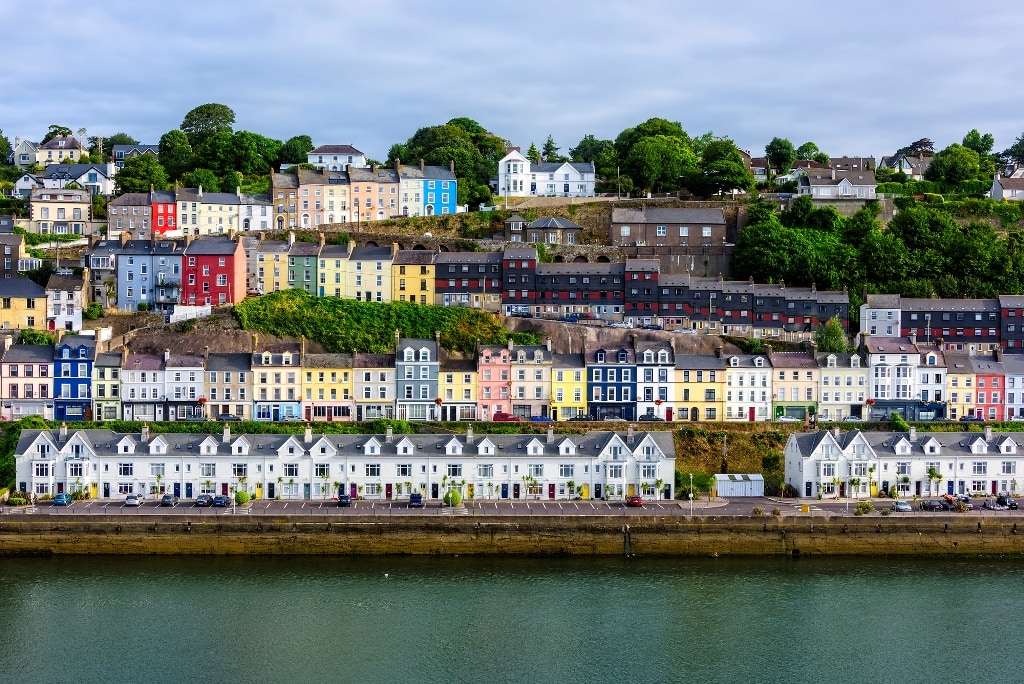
{"x":585,"y":492}
{"x":597,"y":490}
{"x":387,"y":490}
{"x":750,"y":414}
{"x":433,"y":490}
{"x":949,"y":487}
{"x":917,"y":488}
{"x":188,"y":490}
{"x":177,"y":490}
{"x":60,"y":487}
{"x":551,"y":491}
{"x":276,"y":414}
{"x":305,"y":491}
{"x":631,"y":490}
{"x":668,"y":414}
{"x":504,"y":490}
{"x":807,"y":488}
{"x":106,"y":490}
{"x":995,"y":486}
{"x":695,"y":414}
{"x":224,"y":488}
{"x":554,"y":413}
{"x":842,"y":490}
{"x":515,"y":490}
{"x":353,"y":491}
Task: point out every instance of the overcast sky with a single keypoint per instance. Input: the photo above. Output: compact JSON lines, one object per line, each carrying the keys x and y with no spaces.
{"x":860,"y":78}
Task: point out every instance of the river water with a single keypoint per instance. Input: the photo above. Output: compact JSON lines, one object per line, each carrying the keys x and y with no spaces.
{"x":343,"y":619}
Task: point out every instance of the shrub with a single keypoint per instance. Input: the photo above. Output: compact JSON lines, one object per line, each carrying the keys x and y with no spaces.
{"x":885,"y":511}
{"x":143,"y":306}
{"x":16,"y":501}
{"x":452,"y":498}
{"x":776,"y":512}
{"x":758,"y":511}
{"x":863,"y":508}
{"x":241,"y":498}
{"x":93,"y":311}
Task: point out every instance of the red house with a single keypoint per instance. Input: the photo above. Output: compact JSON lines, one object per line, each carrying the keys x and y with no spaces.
{"x":164,"y":212}
{"x":213,"y":271}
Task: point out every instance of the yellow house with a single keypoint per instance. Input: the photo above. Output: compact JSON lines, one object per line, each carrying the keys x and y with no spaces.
{"x":456,"y":385}
{"x":207,"y":213}
{"x":961,"y":384}
{"x":699,"y":388}
{"x":61,"y":149}
{"x":272,"y":265}
{"x":333,"y":271}
{"x":412,"y":276}
{"x":794,"y":384}
{"x":60,"y":212}
{"x":369,"y":273}
{"x":22,"y":304}
{"x":327,"y":387}
{"x":568,"y":386}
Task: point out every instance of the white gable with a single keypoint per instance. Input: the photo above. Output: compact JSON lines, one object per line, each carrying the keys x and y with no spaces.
{"x":158,"y":445}
{"x":240,"y":446}
{"x":290,"y":447}
{"x":486,"y":447}
{"x":567,"y":448}
{"x":208,"y":445}
{"x":126,"y":445}
{"x":453,"y":447}
{"x":535,"y":447}
{"x":405,"y":446}
{"x":372,"y":447}
{"x":323,"y":448}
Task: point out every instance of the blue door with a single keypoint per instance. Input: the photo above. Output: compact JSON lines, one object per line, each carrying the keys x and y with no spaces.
{"x":305,"y":490}
{"x":504,"y":490}
{"x":177,"y":490}
{"x":949,"y":487}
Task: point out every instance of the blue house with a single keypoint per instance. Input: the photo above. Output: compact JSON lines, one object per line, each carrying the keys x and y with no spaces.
{"x":611,"y":383}
{"x":428,"y":190}
{"x":73,"y":357}
{"x":416,"y":385}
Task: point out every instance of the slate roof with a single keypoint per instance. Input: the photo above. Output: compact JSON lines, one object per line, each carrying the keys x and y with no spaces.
{"x":555,"y":222}
{"x":468,"y":258}
{"x":21,"y":287}
{"x":184,"y":361}
{"x":141,"y":149}
{"x":73,"y":170}
{"x":442,"y":173}
{"x":666,"y":215}
{"x":381,"y":175}
{"x":211,"y":245}
{"x":221,"y":361}
{"x":28,"y":353}
{"x":792,"y":360}
{"x":885,"y":443}
{"x":415,"y":257}
{"x":951,"y":305}
{"x":335,"y":149}
{"x":65,"y":283}
{"x":568,"y":361}
{"x":836,"y":177}
{"x":146,"y":362}
{"x":699,"y":362}
{"x":6,"y":224}
{"x":327,"y":361}
{"x":382,"y":361}
{"x":883,"y":301}
{"x":131,"y":199}
{"x":370,"y":253}
{"x":643,"y":265}
{"x":890,"y":345}
{"x":108,"y":359}
{"x":305,"y":249}
{"x":552,"y":167}
{"x":70,"y":143}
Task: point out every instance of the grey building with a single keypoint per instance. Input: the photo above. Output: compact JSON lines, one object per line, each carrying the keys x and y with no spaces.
{"x":416,"y":372}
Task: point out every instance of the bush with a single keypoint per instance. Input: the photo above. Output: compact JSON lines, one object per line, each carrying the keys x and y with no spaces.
{"x":452,"y":498}
{"x":93,"y":311}
{"x":16,"y":501}
{"x":143,"y":307}
{"x":885,"y":511}
{"x":758,"y":511}
{"x":241,"y":498}
{"x":863,"y":508}
{"x":776,"y":512}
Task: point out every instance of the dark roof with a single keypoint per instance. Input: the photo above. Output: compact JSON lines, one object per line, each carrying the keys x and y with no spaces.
{"x":554,"y":222}
{"x":420,"y":257}
{"x":367,"y":253}
{"x":20,"y":287}
{"x":360,"y":360}
{"x":220,"y":361}
{"x":664,"y":215}
{"x":108,"y":359}
{"x":28,"y":353}
{"x":211,"y":245}
{"x":65,"y":283}
{"x":306,"y":249}
{"x":334,"y":149}
{"x":327,"y":361}
{"x":131,"y":199}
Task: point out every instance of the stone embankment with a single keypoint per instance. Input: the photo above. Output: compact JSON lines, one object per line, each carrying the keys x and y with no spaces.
{"x":493,"y":535}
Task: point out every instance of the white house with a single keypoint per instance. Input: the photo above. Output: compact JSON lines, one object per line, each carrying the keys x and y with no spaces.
{"x":66,"y":298}
{"x":834,"y":184}
{"x":748,"y":388}
{"x":1009,"y":189}
{"x":859,"y":464}
{"x":335,"y":157}
{"x":519,"y":177}
{"x":1013,"y":369}
{"x":310,"y":466}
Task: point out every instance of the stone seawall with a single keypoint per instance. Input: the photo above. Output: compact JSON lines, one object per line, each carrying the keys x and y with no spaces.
{"x":489,"y":535}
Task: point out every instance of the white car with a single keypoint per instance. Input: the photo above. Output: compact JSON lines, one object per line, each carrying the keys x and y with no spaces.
{"x":853,"y":419}
{"x":133,"y":500}
{"x":787,"y":419}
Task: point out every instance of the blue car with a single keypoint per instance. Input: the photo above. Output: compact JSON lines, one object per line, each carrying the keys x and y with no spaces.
{"x":63,"y":499}
{"x":540,"y":419}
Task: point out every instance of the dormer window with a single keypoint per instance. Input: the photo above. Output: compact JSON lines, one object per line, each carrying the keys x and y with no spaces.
{"x":408,"y":356}
{"x":759,"y":362}
{"x":600,"y":357}
{"x":286,"y":359}
{"x":622,"y":357}
{"x":734,"y":362}
{"x":424,"y":355}
{"x":538,"y":357}
{"x":266,"y":359}
{"x":521,"y":358}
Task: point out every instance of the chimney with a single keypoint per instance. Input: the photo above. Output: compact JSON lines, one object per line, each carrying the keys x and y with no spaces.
{"x":913,"y":433}
{"x":145,"y":432}
{"x":7,"y":342}
{"x":547,"y":343}
{"x":750,"y":281}
{"x":348,"y":168}
{"x":124,"y":356}
{"x":999,"y":354}
{"x":200,"y":193}
{"x":437,"y":341}
{"x":308,"y":438}
{"x":167,"y":355}
{"x":988,"y":433}
{"x":469,"y":434}
{"x":421,"y":165}
{"x":206,"y":354}
{"x":912,"y":337}
{"x":390,"y":435}
{"x":255,"y":342}
{"x":782,"y":284}
{"x":451,"y":165}
{"x":836,"y":432}
{"x":632,"y":337}
{"x":398,"y":335}
{"x":124,"y":237}
{"x":551,"y":435}
{"x":151,"y":188}
{"x":814,"y":287}
{"x":323,"y":240}
{"x":373,"y":169}
{"x":63,"y":431}
{"x":398,"y":165}
{"x":719,"y":351}
{"x":227,"y":433}
{"x":291,"y":238}
{"x":629,"y":435}
{"x":510,"y":343}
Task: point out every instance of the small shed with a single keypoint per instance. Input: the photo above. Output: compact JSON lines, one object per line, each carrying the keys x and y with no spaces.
{"x":730,"y":485}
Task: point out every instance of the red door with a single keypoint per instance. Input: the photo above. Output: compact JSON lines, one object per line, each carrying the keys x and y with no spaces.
{"x":224,"y":488}
{"x":751,"y":414}
{"x":551,"y":491}
{"x":387,"y":490}
{"x":668,"y":414}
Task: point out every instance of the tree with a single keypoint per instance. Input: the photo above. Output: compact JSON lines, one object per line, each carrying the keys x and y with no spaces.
{"x":175,"y":153}
{"x":657,"y":162}
{"x":30,"y":336}
{"x":550,"y":151}
{"x":295,"y":149}
{"x":918,"y":148}
{"x":721,"y":169}
{"x":631,"y":136}
{"x":533,"y":154}
{"x":831,"y":337}
{"x":1015,"y":152}
{"x":982,"y":144}
{"x":807,"y":151}
{"x":249,"y":153}
{"x":5,"y":146}
{"x":206,"y":120}
{"x":216,"y":153}
{"x":139,"y":173}
{"x":781,"y":154}
{"x":204,"y":178}
{"x":953,"y":165}
{"x":232,"y":181}
{"x":53,"y":131}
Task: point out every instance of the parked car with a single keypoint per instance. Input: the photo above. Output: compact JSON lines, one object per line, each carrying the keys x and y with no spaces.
{"x":62,"y":499}
{"x":168,"y":500}
{"x":652,"y":417}
{"x":613,"y":419}
{"x":540,"y":419}
{"x":415,"y":500}
{"x":949,"y":502}
{"x":991,"y":505}
{"x":254,"y":292}
{"x":500,"y":417}
{"x":971,"y":419}
{"x":133,"y":500}
{"x":221,"y":501}
{"x":654,"y":326}
{"x":787,"y":419}
{"x":204,"y":500}
{"x":522,"y":314}
{"x":967,"y":501}
{"x":931,"y":505}
{"x":853,"y":419}
{"x":344,"y":500}
{"x":228,"y":418}
{"x":570,"y":318}
{"x":901,"y":506}
{"x":635,"y":501}
{"x":1007,"y":501}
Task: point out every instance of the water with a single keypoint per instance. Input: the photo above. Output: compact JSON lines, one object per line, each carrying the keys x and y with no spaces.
{"x":348,"y":619}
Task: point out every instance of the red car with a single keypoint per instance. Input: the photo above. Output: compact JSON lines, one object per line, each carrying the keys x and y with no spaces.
{"x":500,"y":417}
{"x":635,"y":502}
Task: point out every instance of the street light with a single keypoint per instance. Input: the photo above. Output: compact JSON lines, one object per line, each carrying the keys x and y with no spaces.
{"x":691,"y":494}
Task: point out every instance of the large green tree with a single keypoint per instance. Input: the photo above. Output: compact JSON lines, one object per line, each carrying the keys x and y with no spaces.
{"x":5,"y":146}
{"x":550,"y":151}
{"x":831,"y":337}
{"x":625,"y":141}
{"x":206,"y":120}
{"x":980,"y":143}
{"x":139,"y":173}
{"x":657,"y":162}
{"x":533,"y":154}
{"x":780,"y":154}
{"x":252,"y":153}
{"x":295,"y":149}
{"x":175,"y":153}
{"x":721,"y":169}
{"x":202,"y":177}
{"x":953,"y":165}
{"x":1015,"y":152}
{"x":53,"y":131}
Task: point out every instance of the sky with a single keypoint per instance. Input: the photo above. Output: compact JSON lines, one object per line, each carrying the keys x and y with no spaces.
{"x":858,"y":79}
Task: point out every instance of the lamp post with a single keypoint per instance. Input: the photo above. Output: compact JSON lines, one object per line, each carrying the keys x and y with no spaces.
{"x":691,"y":494}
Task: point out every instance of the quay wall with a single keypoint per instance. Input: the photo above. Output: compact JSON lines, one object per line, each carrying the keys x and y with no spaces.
{"x":494,"y":535}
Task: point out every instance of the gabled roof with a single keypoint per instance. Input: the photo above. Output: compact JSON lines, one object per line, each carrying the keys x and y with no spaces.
{"x":555,"y":222}
{"x":335,"y":149}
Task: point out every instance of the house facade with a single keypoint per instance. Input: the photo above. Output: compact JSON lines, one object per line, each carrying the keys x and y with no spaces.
{"x":25,"y":383}
{"x":519,"y":177}
{"x":697,"y":228}
{"x":416,"y":379}
{"x":73,"y":358}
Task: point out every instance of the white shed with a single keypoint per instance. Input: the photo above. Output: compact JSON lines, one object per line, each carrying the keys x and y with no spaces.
{"x":730,"y":485}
